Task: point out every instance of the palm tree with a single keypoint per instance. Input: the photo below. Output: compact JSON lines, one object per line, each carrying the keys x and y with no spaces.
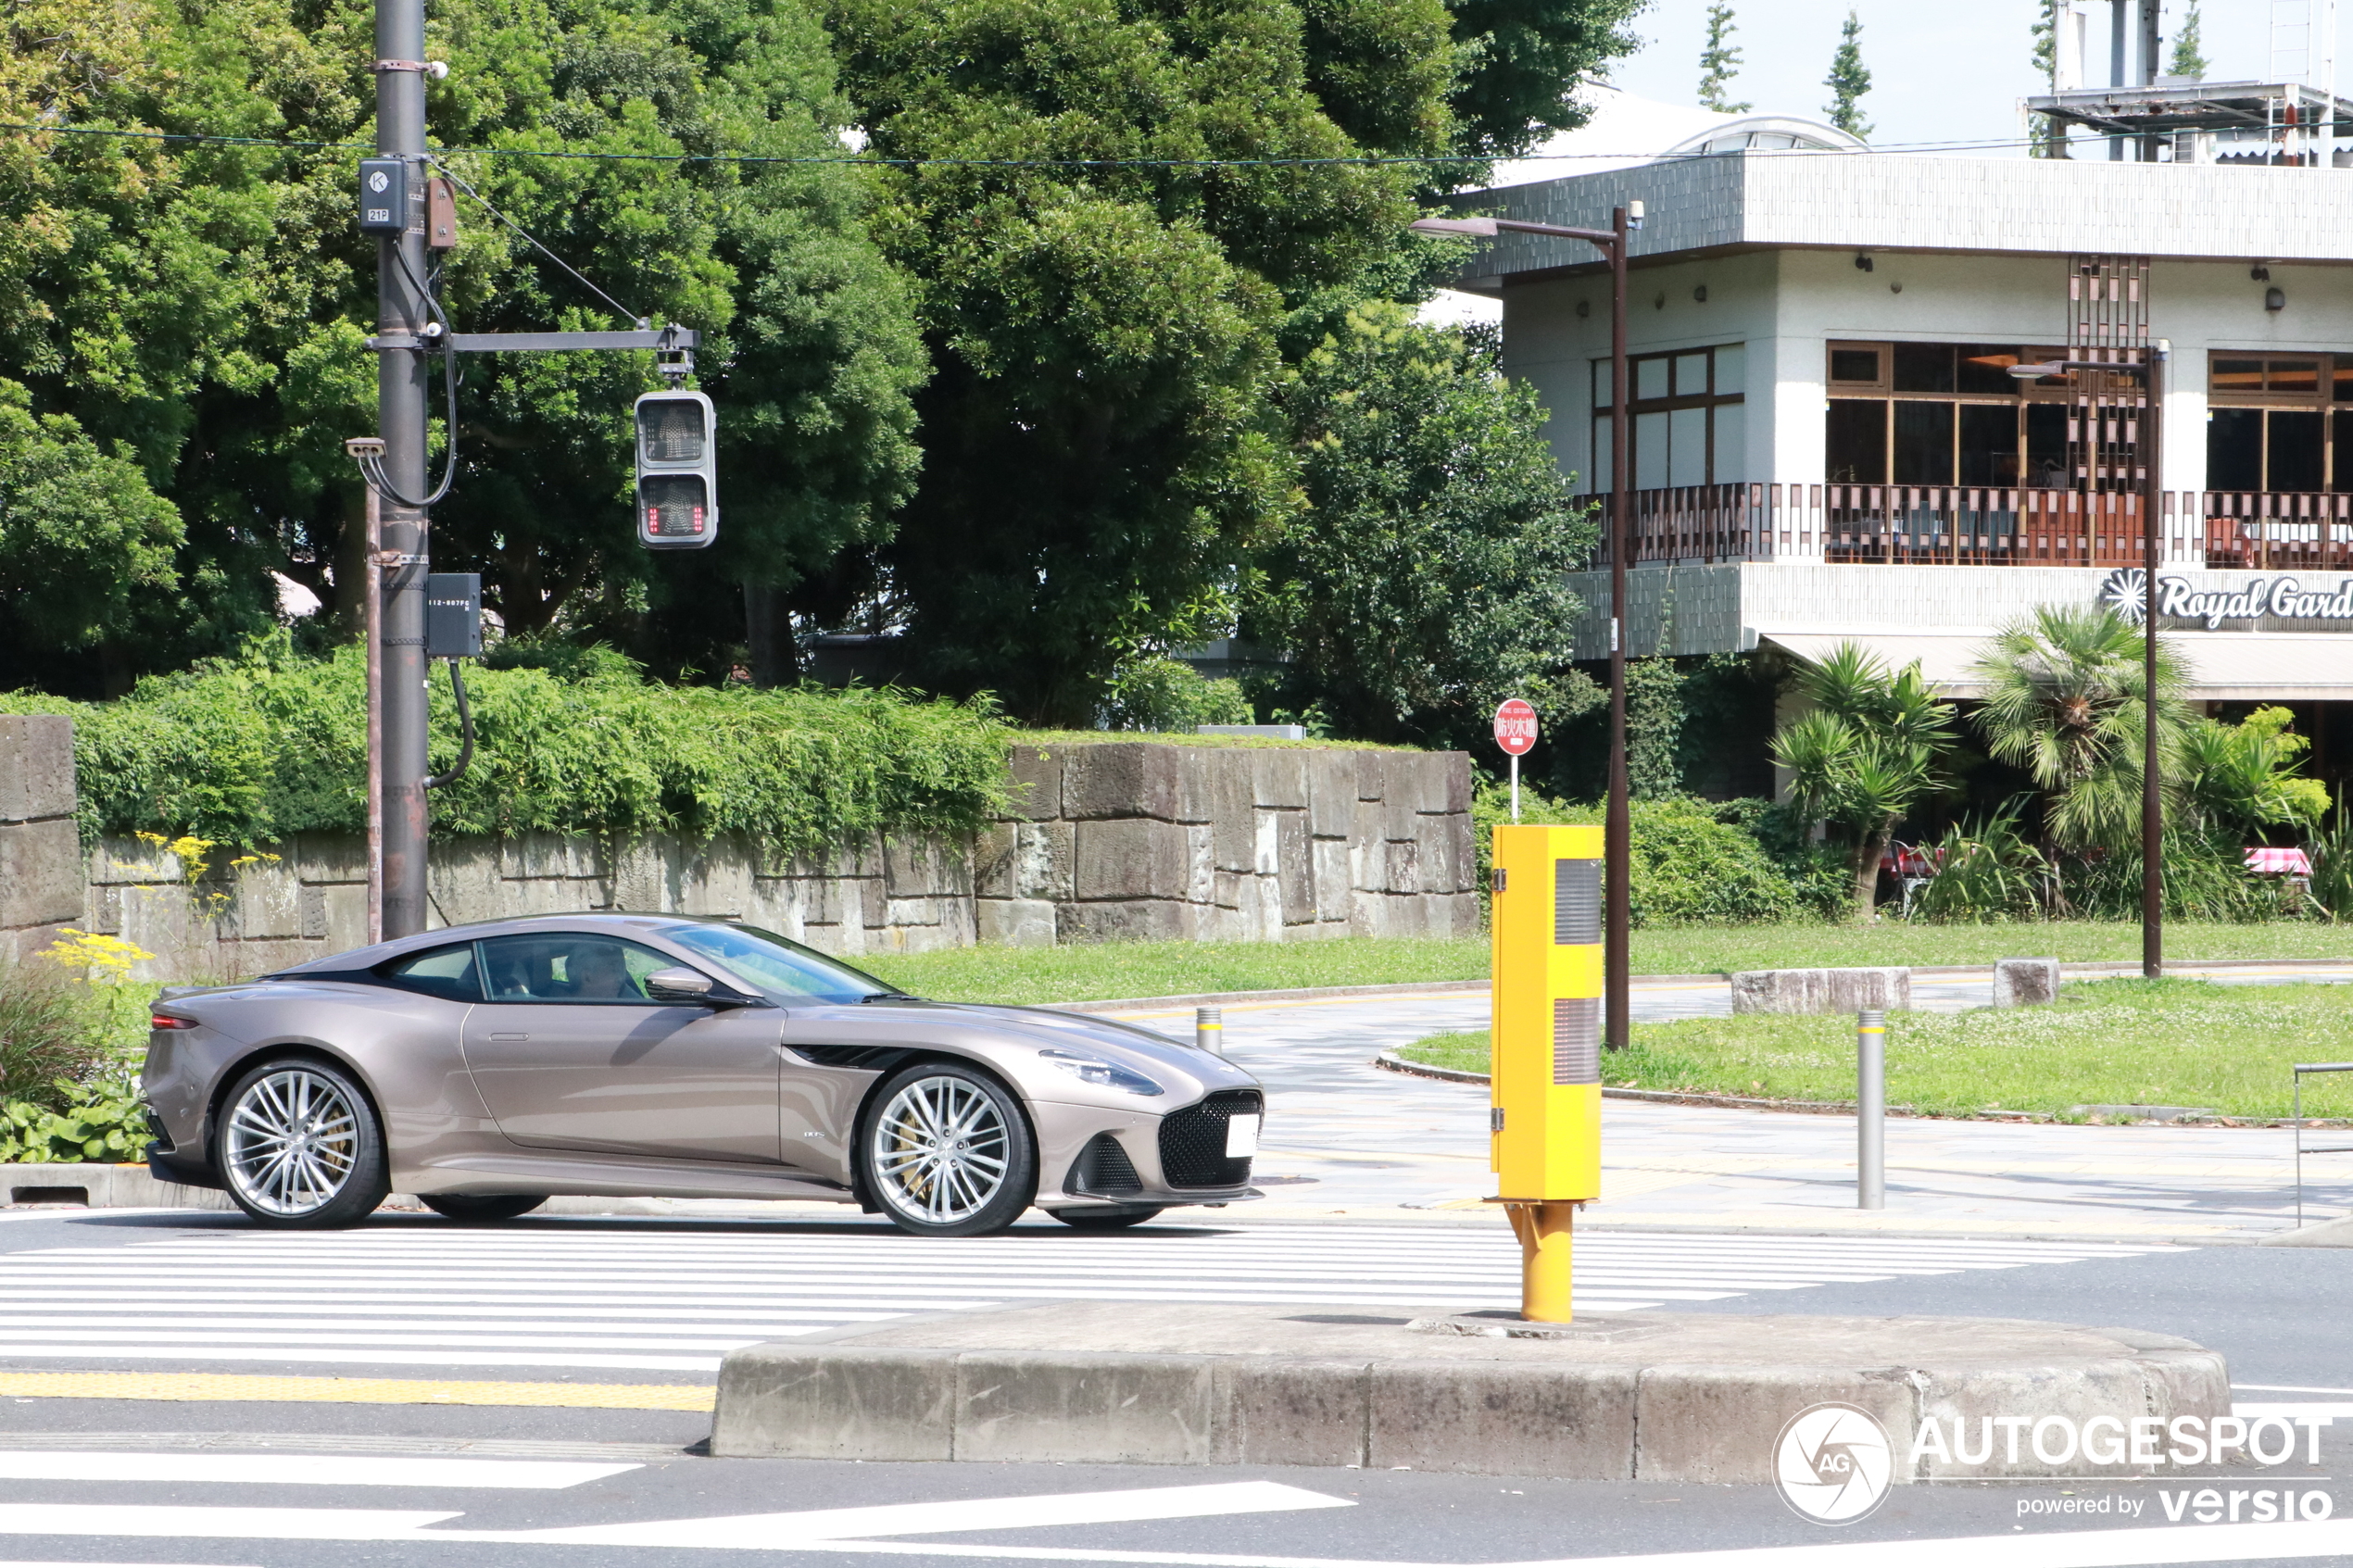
{"x":1874,"y":744}
{"x":2064,"y":691}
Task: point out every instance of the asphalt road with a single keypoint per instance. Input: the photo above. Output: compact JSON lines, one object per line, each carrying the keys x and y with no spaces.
{"x":276,"y":1482}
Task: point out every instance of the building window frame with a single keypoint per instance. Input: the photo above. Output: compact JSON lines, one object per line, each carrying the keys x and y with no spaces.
{"x":1917,"y":446}
{"x":2286,"y":387}
{"x":1705,"y":381}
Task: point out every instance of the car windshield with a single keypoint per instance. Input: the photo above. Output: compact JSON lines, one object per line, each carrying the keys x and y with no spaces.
{"x":779,"y":966}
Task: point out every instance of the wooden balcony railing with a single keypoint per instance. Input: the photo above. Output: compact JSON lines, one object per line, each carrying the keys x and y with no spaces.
{"x":1964,"y":525}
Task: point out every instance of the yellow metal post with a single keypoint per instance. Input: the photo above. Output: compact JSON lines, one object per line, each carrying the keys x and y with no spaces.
{"x":1545,"y":1069}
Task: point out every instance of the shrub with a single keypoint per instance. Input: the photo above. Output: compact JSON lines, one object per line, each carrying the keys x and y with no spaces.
{"x":1160,"y":693}
{"x":245,"y":751}
{"x":1988,"y":872}
{"x":45,"y":1030}
{"x":97,"y":1119}
{"x":1690,"y":867}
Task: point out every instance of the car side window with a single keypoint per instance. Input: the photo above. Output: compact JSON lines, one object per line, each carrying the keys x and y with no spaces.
{"x":446,"y":972}
{"x":570,"y":966}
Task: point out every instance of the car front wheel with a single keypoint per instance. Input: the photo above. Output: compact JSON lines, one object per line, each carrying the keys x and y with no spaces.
{"x":300,"y":1146}
{"x":947,"y":1152}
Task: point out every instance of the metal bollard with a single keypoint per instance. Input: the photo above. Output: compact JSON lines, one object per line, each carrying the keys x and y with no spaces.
{"x":1871,"y":1109}
{"x":1209,"y":1030}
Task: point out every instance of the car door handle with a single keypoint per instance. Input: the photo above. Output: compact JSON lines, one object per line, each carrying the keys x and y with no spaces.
{"x":510,"y":1036}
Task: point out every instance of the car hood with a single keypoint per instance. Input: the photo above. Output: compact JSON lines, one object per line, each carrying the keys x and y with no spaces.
{"x":1051,"y":1027}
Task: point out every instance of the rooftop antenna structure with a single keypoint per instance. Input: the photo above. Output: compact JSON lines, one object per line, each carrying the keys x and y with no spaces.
{"x":2304,"y":42}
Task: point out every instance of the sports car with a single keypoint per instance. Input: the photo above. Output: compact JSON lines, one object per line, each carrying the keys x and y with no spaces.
{"x":484,"y":1068}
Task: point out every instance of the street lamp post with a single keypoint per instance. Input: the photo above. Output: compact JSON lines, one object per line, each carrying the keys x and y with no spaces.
{"x":2151,"y":447}
{"x":1616,"y":830}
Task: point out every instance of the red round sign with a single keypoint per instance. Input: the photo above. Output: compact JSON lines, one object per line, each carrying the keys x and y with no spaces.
{"x":1516,"y":727}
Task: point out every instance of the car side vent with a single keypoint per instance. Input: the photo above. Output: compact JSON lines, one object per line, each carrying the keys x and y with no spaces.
{"x":1103,"y":1168}
{"x":869,"y":1059}
{"x":1192,"y":1141}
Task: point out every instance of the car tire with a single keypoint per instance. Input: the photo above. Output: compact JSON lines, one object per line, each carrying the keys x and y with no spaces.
{"x":300,"y":1146}
{"x":467,"y":1208}
{"x":1117,"y":1218}
{"x":946,"y":1150}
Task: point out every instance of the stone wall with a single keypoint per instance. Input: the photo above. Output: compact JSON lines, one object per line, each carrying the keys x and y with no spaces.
{"x":1138,"y":840}
{"x":40,"y":854}
{"x":1114,"y":840}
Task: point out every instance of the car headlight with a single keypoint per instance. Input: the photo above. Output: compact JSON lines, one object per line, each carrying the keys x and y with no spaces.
{"x":1109,"y":1075}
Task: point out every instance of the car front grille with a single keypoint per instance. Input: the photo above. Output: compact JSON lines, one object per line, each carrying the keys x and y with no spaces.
{"x":1192,"y":1141}
{"x":1102,"y":1169}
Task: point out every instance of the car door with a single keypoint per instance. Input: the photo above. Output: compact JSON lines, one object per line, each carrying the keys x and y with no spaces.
{"x":570,"y":1053}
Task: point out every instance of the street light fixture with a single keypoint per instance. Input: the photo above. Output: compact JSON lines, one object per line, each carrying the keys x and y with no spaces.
{"x":2152,"y":371}
{"x":1617,"y":835}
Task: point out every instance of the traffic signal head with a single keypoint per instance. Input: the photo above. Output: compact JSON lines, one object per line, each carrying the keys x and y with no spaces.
{"x":677,"y":472}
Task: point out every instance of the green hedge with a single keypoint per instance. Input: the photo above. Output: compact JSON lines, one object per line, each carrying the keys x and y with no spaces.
{"x":247,"y":751}
{"x":1690,"y":866}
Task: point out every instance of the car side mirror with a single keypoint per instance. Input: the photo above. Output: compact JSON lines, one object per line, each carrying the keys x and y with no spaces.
{"x":681,"y":985}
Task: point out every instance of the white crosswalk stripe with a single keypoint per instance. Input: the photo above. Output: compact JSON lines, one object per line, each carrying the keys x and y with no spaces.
{"x":557,"y":1294}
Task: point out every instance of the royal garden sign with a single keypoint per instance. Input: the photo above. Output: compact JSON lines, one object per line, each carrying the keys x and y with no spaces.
{"x":2248,"y":603}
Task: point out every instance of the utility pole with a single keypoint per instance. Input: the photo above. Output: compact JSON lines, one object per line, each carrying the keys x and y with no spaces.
{"x":401,"y":360}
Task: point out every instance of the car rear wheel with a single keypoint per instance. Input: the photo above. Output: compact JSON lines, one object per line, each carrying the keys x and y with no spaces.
{"x":947,"y":1152}
{"x":1117,"y":1218}
{"x":300,"y":1146}
{"x":494,"y":1206}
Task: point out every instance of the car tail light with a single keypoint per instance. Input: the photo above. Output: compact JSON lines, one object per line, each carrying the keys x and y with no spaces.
{"x":168,"y":1021}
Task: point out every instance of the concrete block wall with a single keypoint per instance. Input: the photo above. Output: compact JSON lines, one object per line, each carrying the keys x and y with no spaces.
{"x":1124,"y":840}
{"x":40,"y":851}
{"x":1148,"y":840}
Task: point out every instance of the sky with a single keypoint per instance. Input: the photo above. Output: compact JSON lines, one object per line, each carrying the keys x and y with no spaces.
{"x":1941,"y":73}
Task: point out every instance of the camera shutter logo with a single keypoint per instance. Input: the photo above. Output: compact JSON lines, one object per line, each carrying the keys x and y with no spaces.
{"x":1833,"y":1463}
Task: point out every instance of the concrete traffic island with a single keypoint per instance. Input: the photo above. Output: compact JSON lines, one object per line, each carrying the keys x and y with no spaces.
{"x":1632,"y":1396}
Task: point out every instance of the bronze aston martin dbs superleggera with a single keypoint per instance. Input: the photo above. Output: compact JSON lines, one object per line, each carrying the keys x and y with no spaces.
{"x":484,"y":1067}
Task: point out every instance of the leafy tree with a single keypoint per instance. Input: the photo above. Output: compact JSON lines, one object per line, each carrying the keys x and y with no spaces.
{"x":1874,"y":744}
{"x":2064,"y":695}
{"x":2244,"y":778}
{"x":1520,"y":63}
{"x":1848,"y":81}
{"x":2189,"y":54}
{"x":197,"y":308}
{"x":1719,"y":61}
{"x":1100,"y":450}
{"x":2044,"y":138}
{"x":1421,"y":584}
{"x":81,"y":535}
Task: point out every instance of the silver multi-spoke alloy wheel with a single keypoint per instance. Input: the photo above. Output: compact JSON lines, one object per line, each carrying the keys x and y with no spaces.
{"x":292,"y":1141}
{"x":942,"y":1151}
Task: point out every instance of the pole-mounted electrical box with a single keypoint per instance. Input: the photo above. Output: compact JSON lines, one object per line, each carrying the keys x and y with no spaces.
{"x":1545,"y":1067}
{"x":677,"y":471}
{"x":453,"y":615}
{"x":384,"y":196}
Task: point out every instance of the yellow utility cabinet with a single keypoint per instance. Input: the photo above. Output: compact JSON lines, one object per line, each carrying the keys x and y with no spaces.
{"x":1546,"y":1061}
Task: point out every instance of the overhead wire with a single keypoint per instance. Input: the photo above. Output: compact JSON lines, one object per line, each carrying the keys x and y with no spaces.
{"x":851,"y":159}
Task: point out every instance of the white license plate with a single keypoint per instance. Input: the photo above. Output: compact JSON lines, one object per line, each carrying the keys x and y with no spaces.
{"x":1241,"y":1138}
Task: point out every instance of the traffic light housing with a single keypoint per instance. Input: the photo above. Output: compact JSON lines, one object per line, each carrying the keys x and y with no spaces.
{"x":677,"y":471}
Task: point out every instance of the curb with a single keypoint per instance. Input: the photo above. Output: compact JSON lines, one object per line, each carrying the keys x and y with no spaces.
{"x":2116,"y":968}
{"x":1309,"y":993}
{"x":1266,"y":1384}
{"x":1391,"y":1062}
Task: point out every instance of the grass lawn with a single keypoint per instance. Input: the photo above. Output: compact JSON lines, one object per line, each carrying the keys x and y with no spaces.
{"x":2109,"y":1041}
{"x":1713,"y":949}
{"x":1097,"y":971}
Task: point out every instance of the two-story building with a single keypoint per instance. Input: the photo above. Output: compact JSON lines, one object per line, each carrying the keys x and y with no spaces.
{"x":1827,"y":443}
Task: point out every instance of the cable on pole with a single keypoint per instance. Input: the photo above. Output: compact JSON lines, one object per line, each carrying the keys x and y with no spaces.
{"x":462,"y":184}
{"x":372,"y":465}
